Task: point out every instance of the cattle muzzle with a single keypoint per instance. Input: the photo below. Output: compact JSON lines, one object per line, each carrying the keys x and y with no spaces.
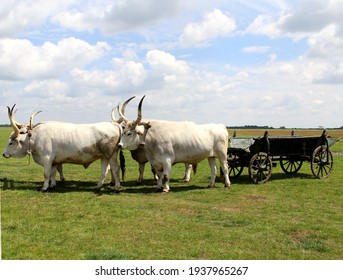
{"x":5,"y":155}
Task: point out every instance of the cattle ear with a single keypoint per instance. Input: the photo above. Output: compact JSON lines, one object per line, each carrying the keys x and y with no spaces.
{"x":145,"y":124}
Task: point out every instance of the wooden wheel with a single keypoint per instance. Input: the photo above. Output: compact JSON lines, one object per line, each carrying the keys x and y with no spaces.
{"x":289,"y":165}
{"x":235,"y":169}
{"x":322,"y":162}
{"x":260,"y":168}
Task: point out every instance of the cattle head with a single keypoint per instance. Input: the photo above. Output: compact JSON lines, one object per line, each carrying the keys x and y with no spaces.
{"x":18,"y":143}
{"x":135,"y":131}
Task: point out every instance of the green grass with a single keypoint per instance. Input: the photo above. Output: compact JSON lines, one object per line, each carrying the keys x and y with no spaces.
{"x":289,"y":217}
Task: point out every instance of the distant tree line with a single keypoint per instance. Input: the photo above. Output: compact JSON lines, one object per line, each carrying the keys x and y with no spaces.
{"x":270,"y":127}
{"x":250,"y":127}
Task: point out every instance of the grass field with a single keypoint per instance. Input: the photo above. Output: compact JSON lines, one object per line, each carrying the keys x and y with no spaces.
{"x":289,"y":217}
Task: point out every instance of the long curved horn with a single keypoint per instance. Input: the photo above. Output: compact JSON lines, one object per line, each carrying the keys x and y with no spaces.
{"x":13,"y":122}
{"x":125,"y":103}
{"x":122,"y":111}
{"x":112,"y":114}
{"x":31,"y":119}
{"x":139,"y":116}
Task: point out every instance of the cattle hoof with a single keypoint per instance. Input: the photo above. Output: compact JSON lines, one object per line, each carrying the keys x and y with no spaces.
{"x":44,"y":190}
{"x":116,"y":192}
{"x":227,"y":187}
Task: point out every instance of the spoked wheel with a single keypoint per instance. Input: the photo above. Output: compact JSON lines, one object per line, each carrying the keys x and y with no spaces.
{"x":289,"y":165}
{"x":260,"y":168}
{"x":322,"y":162}
{"x":233,"y":164}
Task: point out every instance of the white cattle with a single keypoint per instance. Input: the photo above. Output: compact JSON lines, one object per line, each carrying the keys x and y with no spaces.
{"x":54,"y":143}
{"x":167,"y":143}
{"x":139,"y":154}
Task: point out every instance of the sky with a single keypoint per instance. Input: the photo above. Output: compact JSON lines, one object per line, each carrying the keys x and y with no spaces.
{"x":238,"y":62}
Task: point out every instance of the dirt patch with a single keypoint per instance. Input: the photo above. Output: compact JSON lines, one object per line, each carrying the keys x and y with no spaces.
{"x":299,"y":235}
{"x":188,"y":211}
{"x":254,"y":197}
{"x":230,"y":209}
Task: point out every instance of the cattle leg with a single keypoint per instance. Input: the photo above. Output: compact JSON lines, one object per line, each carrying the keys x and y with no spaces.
{"x":115,"y":171}
{"x":104,"y":170}
{"x":188,"y":169}
{"x":60,"y":171}
{"x":166,"y":174}
{"x":155,"y":174}
{"x":212,"y":163}
{"x":159,"y":180}
{"x":47,"y":176}
{"x":224,"y":168}
{"x":53,"y":176}
{"x":113,"y":181}
{"x":141,"y":172}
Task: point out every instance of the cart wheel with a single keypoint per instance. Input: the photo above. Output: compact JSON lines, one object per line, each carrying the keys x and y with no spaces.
{"x":322,"y":162}
{"x":233,"y":164}
{"x":260,"y":168}
{"x":289,"y":165}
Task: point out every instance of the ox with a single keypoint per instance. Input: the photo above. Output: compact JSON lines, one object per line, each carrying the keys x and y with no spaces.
{"x":139,"y":154}
{"x":54,"y":143}
{"x":167,"y":143}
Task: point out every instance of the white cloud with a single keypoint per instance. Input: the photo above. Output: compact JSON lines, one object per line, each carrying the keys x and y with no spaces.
{"x":17,"y":15}
{"x":163,"y":62}
{"x":52,"y":89}
{"x":20,"y":59}
{"x":318,"y":22}
{"x":326,"y":43}
{"x":112,"y":17}
{"x":309,"y":16}
{"x":215,"y":24}
{"x":306,"y":18}
{"x":124,"y":76}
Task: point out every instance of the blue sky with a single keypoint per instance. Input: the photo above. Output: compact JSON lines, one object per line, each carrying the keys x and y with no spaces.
{"x":276,"y":63}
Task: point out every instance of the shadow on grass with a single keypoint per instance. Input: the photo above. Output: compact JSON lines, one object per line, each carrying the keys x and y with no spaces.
{"x":66,"y":186}
{"x":131,"y":187}
{"x":245,"y":179}
{"x":87,"y":186}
